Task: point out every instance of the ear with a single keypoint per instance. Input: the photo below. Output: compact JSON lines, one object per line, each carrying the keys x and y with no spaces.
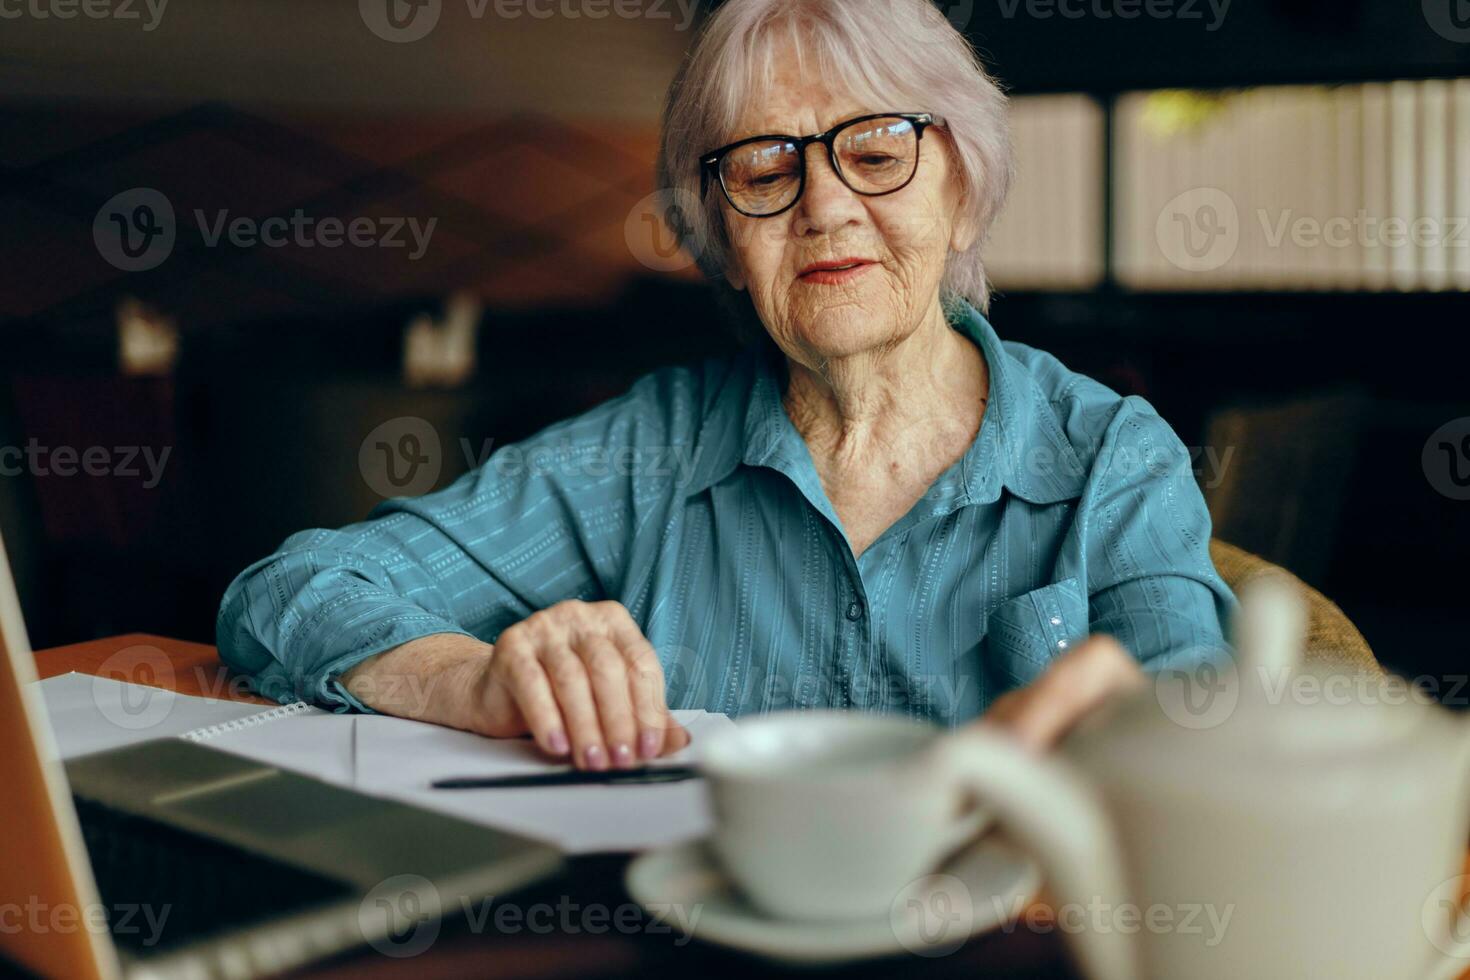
{"x":964,"y":232}
{"x":965,"y":229}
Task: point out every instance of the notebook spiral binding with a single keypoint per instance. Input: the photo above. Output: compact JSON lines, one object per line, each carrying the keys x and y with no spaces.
{"x":250,"y":721}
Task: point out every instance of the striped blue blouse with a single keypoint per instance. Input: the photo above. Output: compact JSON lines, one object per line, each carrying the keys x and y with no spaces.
{"x":694,"y":502}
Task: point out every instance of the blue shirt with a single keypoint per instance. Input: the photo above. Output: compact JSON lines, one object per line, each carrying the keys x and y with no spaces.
{"x":694,"y":502}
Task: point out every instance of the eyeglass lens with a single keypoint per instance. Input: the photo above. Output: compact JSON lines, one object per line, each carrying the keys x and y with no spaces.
{"x":874,"y":156}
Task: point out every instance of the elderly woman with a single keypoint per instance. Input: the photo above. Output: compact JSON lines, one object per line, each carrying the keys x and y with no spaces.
{"x":882,"y":505}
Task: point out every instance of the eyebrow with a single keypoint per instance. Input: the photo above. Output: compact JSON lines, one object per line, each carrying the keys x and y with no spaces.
{"x":747,"y":133}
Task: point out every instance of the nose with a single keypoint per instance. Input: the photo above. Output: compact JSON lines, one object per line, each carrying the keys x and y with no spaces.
{"x":826,"y":203}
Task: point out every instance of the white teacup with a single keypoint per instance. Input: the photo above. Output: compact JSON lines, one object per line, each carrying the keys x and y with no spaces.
{"x":828,"y":815}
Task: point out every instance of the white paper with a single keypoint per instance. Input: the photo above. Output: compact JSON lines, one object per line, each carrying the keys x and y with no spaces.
{"x":317,"y":744}
{"x":89,"y":714}
{"x":397,"y":759}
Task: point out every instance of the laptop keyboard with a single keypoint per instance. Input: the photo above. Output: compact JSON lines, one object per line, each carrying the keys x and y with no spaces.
{"x":163,"y":887}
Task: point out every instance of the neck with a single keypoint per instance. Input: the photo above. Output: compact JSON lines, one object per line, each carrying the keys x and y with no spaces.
{"x":930,"y":384}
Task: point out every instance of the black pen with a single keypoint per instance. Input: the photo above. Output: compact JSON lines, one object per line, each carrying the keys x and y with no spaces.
{"x":573,"y":777}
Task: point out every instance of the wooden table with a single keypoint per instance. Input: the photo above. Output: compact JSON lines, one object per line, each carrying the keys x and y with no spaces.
{"x":589,"y":882}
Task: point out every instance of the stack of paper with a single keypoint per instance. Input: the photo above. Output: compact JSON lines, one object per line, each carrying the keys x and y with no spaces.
{"x":394,"y":758}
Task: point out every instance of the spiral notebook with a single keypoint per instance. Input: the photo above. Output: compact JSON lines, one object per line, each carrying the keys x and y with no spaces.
{"x":223,"y":728}
{"x":391,"y":757}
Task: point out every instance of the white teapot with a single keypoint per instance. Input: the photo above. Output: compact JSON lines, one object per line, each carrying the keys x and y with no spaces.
{"x":1267,"y":820}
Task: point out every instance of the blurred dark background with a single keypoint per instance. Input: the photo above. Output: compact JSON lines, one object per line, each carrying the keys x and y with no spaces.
{"x":176,"y":403}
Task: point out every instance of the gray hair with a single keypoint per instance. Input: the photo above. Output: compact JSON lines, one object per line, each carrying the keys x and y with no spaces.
{"x":898,"y":54}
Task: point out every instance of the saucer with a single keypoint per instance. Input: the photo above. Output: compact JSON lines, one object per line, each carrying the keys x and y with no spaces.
{"x":985,"y":887}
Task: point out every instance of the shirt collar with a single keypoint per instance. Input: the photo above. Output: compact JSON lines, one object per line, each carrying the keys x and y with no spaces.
{"x":1020,"y":447}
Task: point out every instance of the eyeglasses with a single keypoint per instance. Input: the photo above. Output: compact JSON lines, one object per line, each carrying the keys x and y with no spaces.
{"x":763,"y":176}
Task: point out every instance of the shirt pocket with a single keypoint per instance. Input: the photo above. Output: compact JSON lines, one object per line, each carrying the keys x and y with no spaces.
{"x":1025,"y":634}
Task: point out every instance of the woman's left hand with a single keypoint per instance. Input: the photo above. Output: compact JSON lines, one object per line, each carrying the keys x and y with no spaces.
{"x":1074,"y":686}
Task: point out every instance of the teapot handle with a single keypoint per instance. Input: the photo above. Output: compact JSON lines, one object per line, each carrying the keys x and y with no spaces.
{"x":1049,"y":811}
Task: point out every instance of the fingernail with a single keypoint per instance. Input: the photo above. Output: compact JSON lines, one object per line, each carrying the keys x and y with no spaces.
{"x":556,"y":741}
{"x":648,"y":744}
{"x":594,"y":757}
{"x":622,"y":755}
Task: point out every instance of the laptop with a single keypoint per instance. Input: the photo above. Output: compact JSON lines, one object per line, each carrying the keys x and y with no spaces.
{"x":171,"y":859}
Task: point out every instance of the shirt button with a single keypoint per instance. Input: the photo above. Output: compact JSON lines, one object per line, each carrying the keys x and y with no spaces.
{"x":1061,"y":644}
{"x":1056,"y":621}
{"x":854,"y":610}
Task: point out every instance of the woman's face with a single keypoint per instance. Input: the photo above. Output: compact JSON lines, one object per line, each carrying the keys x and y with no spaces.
{"x":900,"y":240}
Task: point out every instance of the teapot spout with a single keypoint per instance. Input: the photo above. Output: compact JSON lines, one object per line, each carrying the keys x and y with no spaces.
{"x":1271,"y":626}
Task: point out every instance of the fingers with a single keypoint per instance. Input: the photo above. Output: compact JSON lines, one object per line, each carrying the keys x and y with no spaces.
{"x":608,"y":669}
{"x":578,"y":705}
{"x":583,"y":679}
{"x":658,"y":732}
{"x":676,"y":737}
{"x":529,"y":691}
{"x":1072,"y":688}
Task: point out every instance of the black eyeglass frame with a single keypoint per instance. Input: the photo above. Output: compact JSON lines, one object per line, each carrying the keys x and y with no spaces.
{"x":710,"y":162}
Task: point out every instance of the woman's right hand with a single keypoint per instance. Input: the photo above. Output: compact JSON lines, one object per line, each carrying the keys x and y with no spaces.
{"x":579,"y":677}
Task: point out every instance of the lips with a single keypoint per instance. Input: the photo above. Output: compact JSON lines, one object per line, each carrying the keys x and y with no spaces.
{"x":835,"y":270}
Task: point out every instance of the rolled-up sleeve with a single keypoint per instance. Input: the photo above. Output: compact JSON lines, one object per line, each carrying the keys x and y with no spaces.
{"x":542,"y":521}
{"x":1145,"y":535}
